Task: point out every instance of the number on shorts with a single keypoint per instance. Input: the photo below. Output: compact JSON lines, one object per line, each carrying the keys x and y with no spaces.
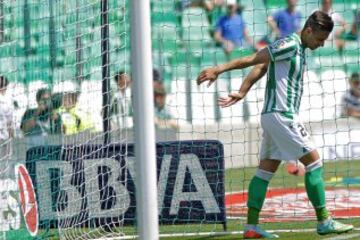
{"x":302,"y":130}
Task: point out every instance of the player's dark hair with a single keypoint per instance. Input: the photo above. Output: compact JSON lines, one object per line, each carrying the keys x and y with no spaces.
{"x":156,"y":75}
{"x":323,"y":1}
{"x":118,"y":75}
{"x":41,"y":92}
{"x":320,"y":21}
{"x":159,"y":88}
{"x":355,"y":76}
{"x":3,"y":82}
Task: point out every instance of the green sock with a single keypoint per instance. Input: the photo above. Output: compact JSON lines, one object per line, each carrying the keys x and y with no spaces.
{"x":256,"y":198}
{"x":322,"y":213}
{"x":315,"y":189}
{"x":253,"y":216}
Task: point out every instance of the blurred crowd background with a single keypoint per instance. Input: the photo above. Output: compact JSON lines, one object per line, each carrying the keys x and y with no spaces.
{"x":50,"y":55}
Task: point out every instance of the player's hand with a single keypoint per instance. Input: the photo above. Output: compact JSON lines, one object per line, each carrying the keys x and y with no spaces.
{"x":228,"y":47}
{"x":209,"y":74}
{"x":230,"y":100}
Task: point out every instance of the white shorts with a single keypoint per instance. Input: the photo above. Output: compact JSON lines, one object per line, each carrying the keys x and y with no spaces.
{"x":283,"y":138}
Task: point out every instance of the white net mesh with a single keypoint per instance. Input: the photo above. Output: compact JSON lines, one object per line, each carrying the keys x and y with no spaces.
{"x":51,"y":54}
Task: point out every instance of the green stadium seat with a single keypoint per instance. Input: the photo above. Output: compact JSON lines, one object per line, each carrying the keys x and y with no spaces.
{"x":165,"y":37}
{"x":275,"y":4}
{"x":255,"y":15}
{"x":121,"y":57}
{"x":214,"y":15}
{"x":162,"y":6}
{"x":213,"y":56}
{"x":352,"y":49}
{"x":161,"y":62}
{"x":325,"y":58}
{"x":36,"y":75}
{"x":330,"y":63}
{"x":164,"y":17}
{"x":184,"y":65}
{"x":37,"y":62}
{"x":345,"y":10}
{"x":63,"y":74}
{"x":184,"y":58}
{"x":352,"y":67}
{"x":70,"y":59}
{"x":195,"y":25}
{"x":11,"y":50}
{"x":166,"y":46}
{"x":163,"y":29}
{"x":325,"y":52}
{"x":243,"y":52}
{"x":7,"y":65}
{"x":346,"y":2}
{"x":351,"y":56}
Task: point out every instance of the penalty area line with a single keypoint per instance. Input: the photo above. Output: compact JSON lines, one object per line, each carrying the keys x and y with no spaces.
{"x":351,"y":236}
{"x":344,"y":237}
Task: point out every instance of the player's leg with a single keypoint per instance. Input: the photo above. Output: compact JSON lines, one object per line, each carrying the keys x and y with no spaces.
{"x":256,"y":197}
{"x":314,"y":183}
{"x":315,"y":189}
{"x":269,"y":153}
{"x":258,"y":188}
{"x":293,"y":142}
{"x":292,"y":139}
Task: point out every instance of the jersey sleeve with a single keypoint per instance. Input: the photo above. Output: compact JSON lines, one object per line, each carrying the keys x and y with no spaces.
{"x":282,"y":49}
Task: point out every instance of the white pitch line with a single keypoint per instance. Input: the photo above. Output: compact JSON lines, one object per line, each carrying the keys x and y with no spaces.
{"x":345,"y":237}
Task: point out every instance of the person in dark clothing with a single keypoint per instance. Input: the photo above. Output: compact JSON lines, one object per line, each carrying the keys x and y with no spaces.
{"x":41,"y":121}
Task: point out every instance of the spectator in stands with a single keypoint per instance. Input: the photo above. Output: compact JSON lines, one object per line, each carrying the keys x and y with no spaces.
{"x":163,"y":116}
{"x":353,"y":34}
{"x":158,"y":79}
{"x":231,"y":29}
{"x":340,"y":24}
{"x":6,"y":126}
{"x":41,"y":121}
{"x":351,"y":99}
{"x":208,"y":5}
{"x":121,"y":107}
{"x":286,"y":21}
{"x":56,"y":100}
{"x":74,"y":119}
{"x":156,"y":75}
{"x":356,"y":25}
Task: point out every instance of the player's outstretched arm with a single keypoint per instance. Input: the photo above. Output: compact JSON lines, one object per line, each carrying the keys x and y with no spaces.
{"x":211,"y":74}
{"x":255,"y":74}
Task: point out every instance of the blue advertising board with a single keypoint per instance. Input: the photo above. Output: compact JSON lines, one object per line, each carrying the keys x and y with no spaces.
{"x":92,"y":185}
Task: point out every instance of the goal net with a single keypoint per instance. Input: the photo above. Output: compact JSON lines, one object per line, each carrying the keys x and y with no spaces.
{"x":69,"y":95}
{"x":72,"y":119}
{"x":188,"y":42}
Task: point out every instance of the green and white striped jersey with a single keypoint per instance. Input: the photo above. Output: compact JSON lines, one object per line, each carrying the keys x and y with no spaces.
{"x":284,"y":85}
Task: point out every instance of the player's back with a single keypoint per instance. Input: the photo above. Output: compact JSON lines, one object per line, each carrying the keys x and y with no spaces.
{"x":284,"y":86}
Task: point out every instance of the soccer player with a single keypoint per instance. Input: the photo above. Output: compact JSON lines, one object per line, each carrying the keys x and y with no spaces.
{"x":351,"y":99}
{"x":231,"y":31}
{"x":284,"y":136}
{"x":6,"y":127}
{"x":285,"y":21}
